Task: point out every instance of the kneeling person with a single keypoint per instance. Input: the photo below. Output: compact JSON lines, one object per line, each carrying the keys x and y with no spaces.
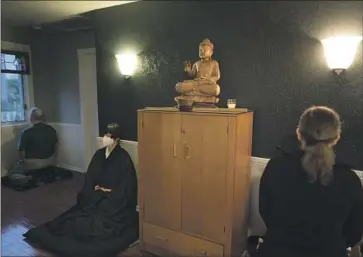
{"x":37,"y":146}
{"x":104,"y":220}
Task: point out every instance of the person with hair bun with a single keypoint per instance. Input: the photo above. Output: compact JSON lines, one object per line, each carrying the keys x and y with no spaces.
{"x":104,"y":221}
{"x":311,"y":204}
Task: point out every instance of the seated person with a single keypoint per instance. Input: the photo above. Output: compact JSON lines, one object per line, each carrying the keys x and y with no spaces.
{"x":104,"y":220}
{"x":37,"y":146}
{"x":311,"y":204}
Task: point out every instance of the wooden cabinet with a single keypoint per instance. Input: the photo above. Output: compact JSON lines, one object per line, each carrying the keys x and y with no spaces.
{"x":194,"y":174}
{"x":159,"y":139}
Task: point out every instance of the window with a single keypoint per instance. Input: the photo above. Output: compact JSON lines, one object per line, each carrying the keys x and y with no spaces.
{"x":14,"y":71}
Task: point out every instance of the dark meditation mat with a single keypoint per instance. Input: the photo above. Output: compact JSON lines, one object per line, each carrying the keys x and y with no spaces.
{"x":35,"y":178}
{"x":67,"y":247}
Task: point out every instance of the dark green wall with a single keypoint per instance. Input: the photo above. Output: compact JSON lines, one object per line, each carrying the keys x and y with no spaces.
{"x":270,"y":56}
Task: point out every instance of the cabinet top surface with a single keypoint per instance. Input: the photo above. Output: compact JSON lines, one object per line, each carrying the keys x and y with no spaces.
{"x":228,"y":111}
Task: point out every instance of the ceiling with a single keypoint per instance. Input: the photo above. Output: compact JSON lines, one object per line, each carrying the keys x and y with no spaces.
{"x":25,"y":13}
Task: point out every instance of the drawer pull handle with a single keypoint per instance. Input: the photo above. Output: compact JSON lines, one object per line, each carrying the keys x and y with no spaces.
{"x":202,"y":252}
{"x":186,"y":151}
{"x":162,"y":238}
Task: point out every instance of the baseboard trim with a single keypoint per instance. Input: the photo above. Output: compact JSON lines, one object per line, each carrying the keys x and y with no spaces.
{"x":258,"y":164}
{"x":64,"y":124}
{"x":71,"y":168}
{"x":133,"y":143}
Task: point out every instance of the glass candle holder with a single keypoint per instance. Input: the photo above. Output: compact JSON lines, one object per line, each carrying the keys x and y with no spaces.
{"x":231,"y":103}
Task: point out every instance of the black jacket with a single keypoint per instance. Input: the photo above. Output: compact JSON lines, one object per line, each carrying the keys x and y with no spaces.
{"x":308,"y":219}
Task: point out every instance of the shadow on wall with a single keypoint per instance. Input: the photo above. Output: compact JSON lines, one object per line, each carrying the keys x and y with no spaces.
{"x":9,"y":140}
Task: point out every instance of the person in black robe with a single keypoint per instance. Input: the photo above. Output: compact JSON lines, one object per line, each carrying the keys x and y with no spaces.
{"x":312,"y":205}
{"x":104,"y":221}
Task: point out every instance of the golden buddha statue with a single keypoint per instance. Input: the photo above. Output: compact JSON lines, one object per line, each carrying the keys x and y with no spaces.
{"x":203,"y":88}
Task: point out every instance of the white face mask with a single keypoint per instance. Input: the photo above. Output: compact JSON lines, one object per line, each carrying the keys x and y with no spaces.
{"x":107,"y":141}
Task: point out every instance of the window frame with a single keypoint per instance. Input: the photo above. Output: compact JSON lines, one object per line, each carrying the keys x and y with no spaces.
{"x":28,"y":91}
{"x":24,"y":55}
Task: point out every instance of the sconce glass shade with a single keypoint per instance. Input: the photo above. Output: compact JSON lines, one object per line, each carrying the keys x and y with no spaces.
{"x":127,"y":63}
{"x":340,"y":51}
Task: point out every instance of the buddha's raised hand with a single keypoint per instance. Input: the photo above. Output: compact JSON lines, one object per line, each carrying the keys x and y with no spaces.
{"x":187,"y":66}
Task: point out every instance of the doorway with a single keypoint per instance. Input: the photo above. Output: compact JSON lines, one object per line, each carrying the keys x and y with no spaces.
{"x":88,"y":101}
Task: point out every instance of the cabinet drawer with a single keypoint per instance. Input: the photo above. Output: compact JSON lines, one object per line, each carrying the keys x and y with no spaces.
{"x":179,"y":243}
{"x":158,"y":237}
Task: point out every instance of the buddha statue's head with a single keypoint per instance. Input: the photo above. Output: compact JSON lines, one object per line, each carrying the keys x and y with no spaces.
{"x":205,"y":49}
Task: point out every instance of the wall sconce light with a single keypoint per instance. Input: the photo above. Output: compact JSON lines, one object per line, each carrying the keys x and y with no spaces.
{"x":127,"y":63}
{"x":340,"y":52}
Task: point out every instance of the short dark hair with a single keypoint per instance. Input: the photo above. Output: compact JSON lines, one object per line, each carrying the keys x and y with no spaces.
{"x":114,"y":130}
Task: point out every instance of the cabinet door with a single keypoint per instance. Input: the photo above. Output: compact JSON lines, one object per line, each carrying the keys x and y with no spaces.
{"x":159,"y":142}
{"x":204,"y":175}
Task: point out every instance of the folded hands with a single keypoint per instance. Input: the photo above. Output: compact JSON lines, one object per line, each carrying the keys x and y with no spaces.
{"x":102,"y":189}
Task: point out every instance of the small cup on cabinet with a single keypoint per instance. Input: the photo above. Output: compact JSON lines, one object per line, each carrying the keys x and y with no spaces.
{"x":231,"y":103}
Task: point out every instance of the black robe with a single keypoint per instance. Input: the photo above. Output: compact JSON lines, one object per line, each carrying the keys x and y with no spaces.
{"x":101,"y":223}
{"x":308,"y":219}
